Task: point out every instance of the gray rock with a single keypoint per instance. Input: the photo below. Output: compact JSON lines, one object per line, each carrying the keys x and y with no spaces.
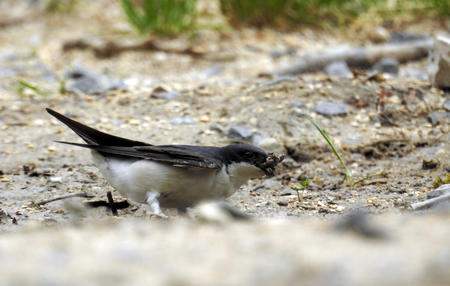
{"x":213,"y":71}
{"x":438,"y":117}
{"x":439,"y":191}
{"x":402,"y":37}
{"x":439,"y":62}
{"x":266,"y":143}
{"x":169,"y":95}
{"x":386,"y":65}
{"x":329,"y":108}
{"x":239,"y":132}
{"x":182,"y":121}
{"x":446,"y":104}
{"x":339,"y":69}
{"x":82,"y":80}
{"x":217,"y":127}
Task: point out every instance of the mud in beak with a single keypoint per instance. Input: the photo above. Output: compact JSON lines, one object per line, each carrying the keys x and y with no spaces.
{"x":270,"y":164}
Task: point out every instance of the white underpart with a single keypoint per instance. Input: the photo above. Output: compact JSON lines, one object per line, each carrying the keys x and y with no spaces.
{"x":157,"y":184}
{"x":240,"y":173}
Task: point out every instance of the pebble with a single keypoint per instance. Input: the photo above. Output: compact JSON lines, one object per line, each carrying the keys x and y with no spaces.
{"x":329,"y":108}
{"x":213,"y":71}
{"x":378,"y":34}
{"x":386,"y":65}
{"x":339,"y":69}
{"x":439,"y":191}
{"x":56,"y":180}
{"x":182,"y":121}
{"x":82,"y":80}
{"x":446,"y":104}
{"x":430,"y":164}
{"x":51,"y":148}
{"x":438,"y":117}
{"x":402,"y":37}
{"x":161,"y":93}
{"x":239,"y":132}
{"x":217,"y":127}
{"x":134,"y":122}
{"x":204,"y":118}
{"x":266,"y":143}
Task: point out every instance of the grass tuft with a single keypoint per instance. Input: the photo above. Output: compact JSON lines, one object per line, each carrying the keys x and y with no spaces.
{"x":167,"y":17}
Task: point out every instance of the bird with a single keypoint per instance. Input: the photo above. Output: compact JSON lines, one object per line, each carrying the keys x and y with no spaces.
{"x":171,"y":176}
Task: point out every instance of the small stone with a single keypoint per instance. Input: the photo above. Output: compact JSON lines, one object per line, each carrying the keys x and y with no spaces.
{"x":438,"y":117}
{"x":253,"y":121}
{"x":213,"y":71}
{"x":378,"y":34}
{"x":56,"y":180}
{"x":266,"y":143}
{"x":239,"y":132}
{"x":439,"y":62}
{"x":386,"y":65}
{"x":439,"y":191}
{"x":403,"y":37}
{"x":84,"y":81}
{"x":204,"y":118}
{"x":51,"y":148}
{"x":430,"y":164}
{"x":182,"y":121}
{"x":39,"y":122}
{"x":134,"y":122}
{"x":339,"y":69}
{"x":446,"y":104}
{"x":5,"y":180}
{"x":217,"y":127}
{"x":162,"y":93}
{"x":329,"y":108}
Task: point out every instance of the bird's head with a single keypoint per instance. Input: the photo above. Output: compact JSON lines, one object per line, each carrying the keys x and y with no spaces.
{"x":248,"y":161}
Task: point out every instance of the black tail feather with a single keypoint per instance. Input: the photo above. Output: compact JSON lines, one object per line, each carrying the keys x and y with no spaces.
{"x":93,"y":136}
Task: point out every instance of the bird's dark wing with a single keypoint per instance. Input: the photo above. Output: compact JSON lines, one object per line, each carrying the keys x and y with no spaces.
{"x":176,"y":155}
{"x":106,"y":144}
{"x":93,"y":136}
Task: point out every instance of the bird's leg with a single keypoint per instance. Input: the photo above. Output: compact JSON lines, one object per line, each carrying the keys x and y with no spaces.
{"x":153,"y":203}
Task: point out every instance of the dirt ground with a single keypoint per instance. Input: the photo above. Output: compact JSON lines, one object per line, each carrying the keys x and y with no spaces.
{"x":387,"y":138}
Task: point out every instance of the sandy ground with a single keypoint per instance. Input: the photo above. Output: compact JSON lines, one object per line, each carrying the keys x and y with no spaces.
{"x":289,"y":240}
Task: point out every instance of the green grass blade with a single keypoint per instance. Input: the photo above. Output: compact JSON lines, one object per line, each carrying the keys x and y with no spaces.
{"x":327,"y":138}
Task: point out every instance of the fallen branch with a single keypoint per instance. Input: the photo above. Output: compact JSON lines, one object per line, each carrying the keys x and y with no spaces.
{"x":77,"y":195}
{"x":431,"y":202}
{"x":118,"y":205}
{"x":360,"y":57}
{"x":110,"y":49}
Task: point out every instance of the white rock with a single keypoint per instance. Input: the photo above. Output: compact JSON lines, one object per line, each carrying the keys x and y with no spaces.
{"x":439,"y":62}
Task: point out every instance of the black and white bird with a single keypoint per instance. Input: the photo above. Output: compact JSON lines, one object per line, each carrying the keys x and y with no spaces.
{"x":171,"y":176}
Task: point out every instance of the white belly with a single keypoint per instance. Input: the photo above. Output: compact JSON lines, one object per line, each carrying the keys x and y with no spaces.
{"x":179,"y":187}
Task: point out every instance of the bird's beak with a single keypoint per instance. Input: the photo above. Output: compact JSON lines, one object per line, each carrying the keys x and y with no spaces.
{"x":270,"y":164}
